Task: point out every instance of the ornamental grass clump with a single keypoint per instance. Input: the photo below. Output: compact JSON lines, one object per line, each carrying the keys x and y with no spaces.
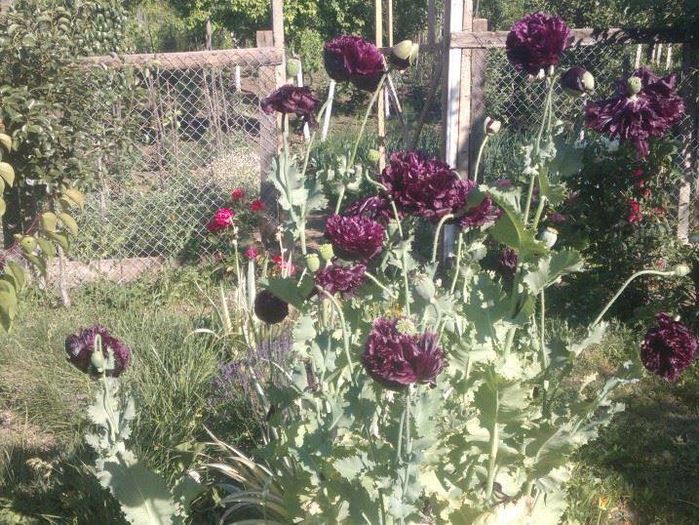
{"x":426,"y":389}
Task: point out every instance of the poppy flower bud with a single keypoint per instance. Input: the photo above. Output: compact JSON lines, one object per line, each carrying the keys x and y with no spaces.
{"x":293,"y":66}
{"x":492,"y":126}
{"x":326,"y":252}
{"x":404,"y":54}
{"x":577,"y":81}
{"x":634,"y":85}
{"x":98,"y":362}
{"x":312,"y":262}
{"x":681,"y":270}
{"x":270,"y":308}
{"x":424,"y":287}
{"x":549,"y":236}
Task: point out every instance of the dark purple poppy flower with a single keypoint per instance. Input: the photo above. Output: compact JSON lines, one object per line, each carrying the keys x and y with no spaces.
{"x":668,"y":348}
{"x":376,"y":208}
{"x":485,"y":213}
{"x":424,"y":185}
{"x":642,"y":109}
{"x":557,"y":218}
{"x":355,"y":238}
{"x":270,"y":308}
{"x":397,"y":360}
{"x":341,"y":279}
{"x":292,"y":99}
{"x":537,"y":41}
{"x":507,"y":261}
{"x":81,"y":345}
{"x":351,"y":58}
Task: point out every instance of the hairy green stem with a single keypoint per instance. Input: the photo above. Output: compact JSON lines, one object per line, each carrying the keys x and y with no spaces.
{"x":378,"y":283}
{"x":345,"y":336}
{"x":340,"y":197}
{"x":479,"y":157}
{"x":494,"y":443}
{"x":435,"y":243}
{"x":624,"y":286}
{"x":539,"y":211}
{"x":457,"y":268}
{"x":366,"y":118}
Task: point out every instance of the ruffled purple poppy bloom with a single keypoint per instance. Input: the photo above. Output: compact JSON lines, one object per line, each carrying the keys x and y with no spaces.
{"x":423,"y":185}
{"x":642,"y":109}
{"x":81,"y":345}
{"x":485,"y":213}
{"x":376,"y":208}
{"x":507,"y":261}
{"x":292,"y":99}
{"x":537,"y":41}
{"x":270,"y":308}
{"x":356,"y":237}
{"x":351,"y":58}
{"x":336,"y":278}
{"x":397,"y":360}
{"x":668,"y":348}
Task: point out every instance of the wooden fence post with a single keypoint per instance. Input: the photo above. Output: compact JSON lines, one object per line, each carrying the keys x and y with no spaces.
{"x":464,"y":133}
{"x":269,"y":139}
{"x":479,"y":59}
{"x":688,"y":201}
{"x":380,"y":102}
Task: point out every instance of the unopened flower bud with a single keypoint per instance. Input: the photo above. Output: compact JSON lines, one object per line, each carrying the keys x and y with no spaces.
{"x":406,"y":327}
{"x":549,"y":236}
{"x":577,"y":81}
{"x":293,"y":66}
{"x":492,"y":126}
{"x":404,"y":54}
{"x":312,"y":262}
{"x":634,"y":85}
{"x":326,"y":252}
{"x":374,"y":156}
{"x":681,"y":270}
{"x":97,"y":361}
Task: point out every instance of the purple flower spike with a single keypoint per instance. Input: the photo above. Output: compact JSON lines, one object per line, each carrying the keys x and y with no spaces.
{"x":351,"y":58}
{"x":645,"y":106}
{"x":537,"y":41}
{"x":341,"y":279}
{"x":292,"y":99}
{"x":397,"y":359}
{"x":81,"y":345}
{"x":355,"y":238}
{"x":668,"y":348}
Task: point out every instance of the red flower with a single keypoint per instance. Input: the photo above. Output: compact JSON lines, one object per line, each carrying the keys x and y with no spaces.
{"x":251,"y":252}
{"x":222,"y":219}
{"x":237,"y":194}
{"x":283,"y":265}
{"x":257,"y":206}
{"x":635,"y":215}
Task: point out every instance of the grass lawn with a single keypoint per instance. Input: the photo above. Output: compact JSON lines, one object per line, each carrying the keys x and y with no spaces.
{"x":643,"y":469}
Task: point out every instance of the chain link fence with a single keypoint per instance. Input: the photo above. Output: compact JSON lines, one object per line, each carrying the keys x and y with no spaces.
{"x":517,"y":101}
{"x":185,"y":130}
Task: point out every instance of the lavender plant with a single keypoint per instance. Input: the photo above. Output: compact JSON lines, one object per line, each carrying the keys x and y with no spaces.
{"x":428,"y":391}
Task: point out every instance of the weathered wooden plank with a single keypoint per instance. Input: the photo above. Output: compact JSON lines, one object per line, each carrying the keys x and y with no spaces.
{"x":257,"y":56}
{"x":581,"y":37}
{"x":478,"y":77}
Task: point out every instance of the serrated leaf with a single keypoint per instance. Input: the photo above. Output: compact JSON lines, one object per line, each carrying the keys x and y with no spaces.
{"x":7,"y":173}
{"x":143,"y":495}
{"x":510,"y":231}
{"x":551,"y":267}
{"x":289,"y":290}
{"x":349,"y":468}
{"x":69,"y":222}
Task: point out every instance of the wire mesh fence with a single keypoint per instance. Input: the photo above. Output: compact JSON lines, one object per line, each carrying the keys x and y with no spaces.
{"x":190,"y":130}
{"x":517,"y":101}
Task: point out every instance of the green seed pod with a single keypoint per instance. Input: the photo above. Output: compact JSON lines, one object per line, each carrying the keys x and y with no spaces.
{"x":635,"y":85}
{"x":577,"y":81}
{"x":293,"y":66}
{"x":312,"y":262}
{"x":326,"y":252}
{"x":492,"y":126}
{"x":549,"y":236}
{"x":406,"y":327}
{"x":374,"y":156}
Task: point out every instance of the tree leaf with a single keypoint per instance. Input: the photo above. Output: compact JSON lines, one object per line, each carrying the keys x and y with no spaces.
{"x":7,"y":173}
{"x":75,"y":197}
{"x":69,"y":222}
{"x":61,"y":238}
{"x":6,"y":141}
{"x":48,"y":221}
{"x":8,"y":304}
{"x":47,"y":248}
{"x":17,"y":272}
{"x":3,"y":206}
